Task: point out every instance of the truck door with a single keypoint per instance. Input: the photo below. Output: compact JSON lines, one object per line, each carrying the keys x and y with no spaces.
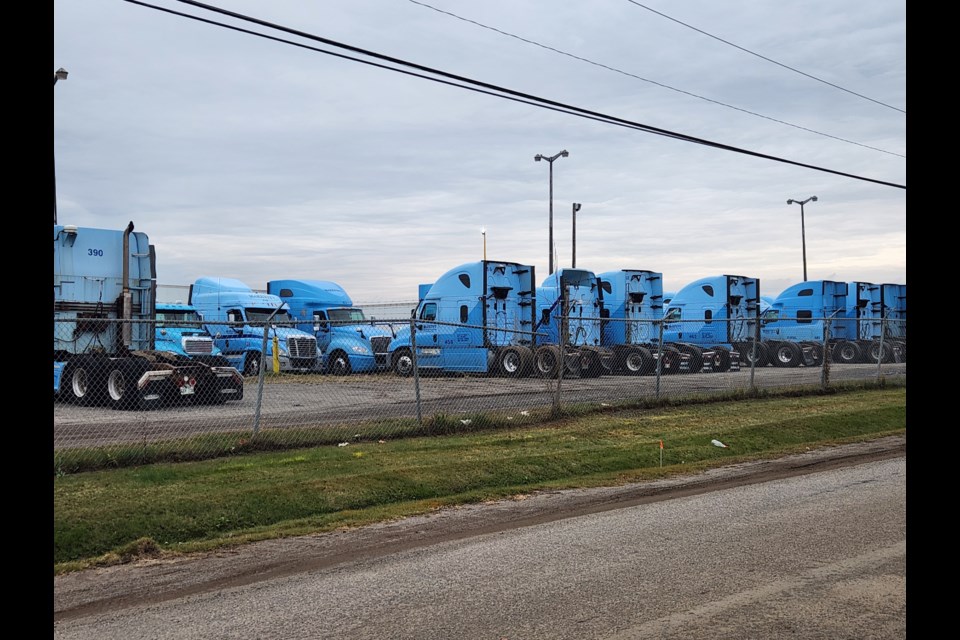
{"x":322,"y":330}
{"x":429,"y":353}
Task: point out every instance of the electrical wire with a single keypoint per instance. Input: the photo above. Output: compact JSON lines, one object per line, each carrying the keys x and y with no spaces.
{"x":478,"y":86}
{"x":654,"y":82}
{"x":779,"y":64}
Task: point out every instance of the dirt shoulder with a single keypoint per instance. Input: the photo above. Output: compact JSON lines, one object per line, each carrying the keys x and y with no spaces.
{"x":150,"y":581}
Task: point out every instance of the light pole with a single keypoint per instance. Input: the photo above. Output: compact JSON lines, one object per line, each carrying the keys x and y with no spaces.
{"x":573,"y":261}
{"x":803,"y":231}
{"x":59,"y":74}
{"x":550,"y":159}
{"x":483,"y":231}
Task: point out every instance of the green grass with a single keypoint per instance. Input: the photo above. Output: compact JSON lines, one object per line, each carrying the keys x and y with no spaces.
{"x":113,"y":515}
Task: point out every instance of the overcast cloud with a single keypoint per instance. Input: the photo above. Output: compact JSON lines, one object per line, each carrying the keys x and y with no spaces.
{"x":248,"y":158}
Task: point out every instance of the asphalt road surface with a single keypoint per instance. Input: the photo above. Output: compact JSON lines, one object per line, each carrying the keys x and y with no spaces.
{"x":323,"y":401}
{"x":811,"y":546}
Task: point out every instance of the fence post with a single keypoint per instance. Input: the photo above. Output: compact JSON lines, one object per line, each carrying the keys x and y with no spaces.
{"x":561,"y":350}
{"x":825,"y":365}
{"x":883,"y":332}
{"x":263,"y":364}
{"x":659,"y":368}
{"x":413,"y":358}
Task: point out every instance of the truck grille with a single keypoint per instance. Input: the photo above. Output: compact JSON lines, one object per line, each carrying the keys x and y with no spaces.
{"x":302,"y":347}
{"x":380,"y":345}
{"x":198,"y":346}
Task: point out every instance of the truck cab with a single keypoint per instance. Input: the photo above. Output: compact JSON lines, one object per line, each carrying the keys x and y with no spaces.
{"x":570,"y":311}
{"x":476,"y":318}
{"x":350,"y":343}
{"x":801,"y":317}
{"x":238,"y":318}
{"x":633,"y":302}
{"x":180,"y":329}
{"x":717,"y":314}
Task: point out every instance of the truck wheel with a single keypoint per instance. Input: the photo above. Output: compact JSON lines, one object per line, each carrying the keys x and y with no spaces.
{"x":812,"y":355}
{"x":787,"y":354}
{"x":339,"y":364}
{"x":721,"y":358}
{"x":878,"y":353}
{"x":695,"y":363}
{"x":511,"y":363}
{"x":590,"y":365}
{"x":83,"y":380}
{"x":636,"y":361}
{"x":757,"y":354}
{"x":402,"y":362}
{"x":669,"y":361}
{"x":546,"y":359}
{"x":251,"y":365}
{"x":122,"y":389}
{"x":847,"y":352}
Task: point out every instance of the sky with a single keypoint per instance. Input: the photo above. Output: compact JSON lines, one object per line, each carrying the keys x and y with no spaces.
{"x":260,"y":158}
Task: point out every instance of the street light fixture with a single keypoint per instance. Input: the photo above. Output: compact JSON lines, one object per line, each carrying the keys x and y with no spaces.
{"x":550,"y":159}
{"x":483,"y":231}
{"x":573,"y":262}
{"x":59,"y":74}
{"x":803,"y":231}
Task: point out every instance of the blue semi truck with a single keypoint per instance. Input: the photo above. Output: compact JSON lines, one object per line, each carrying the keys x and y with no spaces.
{"x":476,"y":318}
{"x":104,"y":342}
{"x":348,"y":341}
{"x":633,"y":302}
{"x":179,"y":328}
{"x":715,"y":321}
{"x":570,"y":305}
{"x":236,"y":315}
{"x":876,"y":316}
{"x":853,"y":322}
{"x":793,"y":328}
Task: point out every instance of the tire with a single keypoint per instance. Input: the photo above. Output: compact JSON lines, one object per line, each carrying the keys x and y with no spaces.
{"x":721,"y":358}
{"x":669,"y":362}
{"x":847,"y":352}
{"x":813,"y":355}
{"x":511,"y":363}
{"x":546,"y":360}
{"x":787,"y":354}
{"x":339,"y":364}
{"x":402,"y":362}
{"x":590,"y":365}
{"x":636,"y":361}
{"x":876,"y":353}
{"x":83,"y":382}
{"x":695,"y":363}
{"x":122,"y":390}
{"x":251,"y":364}
{"x":757,"y":355}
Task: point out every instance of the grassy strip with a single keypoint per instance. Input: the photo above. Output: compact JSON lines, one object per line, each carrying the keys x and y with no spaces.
{"x":110,"y":516}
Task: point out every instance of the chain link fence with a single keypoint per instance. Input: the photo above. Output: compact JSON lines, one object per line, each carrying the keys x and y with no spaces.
{"x":197,"y":400}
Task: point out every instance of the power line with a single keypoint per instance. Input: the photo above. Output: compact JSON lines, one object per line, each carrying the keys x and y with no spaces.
{"x":779,"y":64}
{"x":659,"y":84}
{"x":490,"y":89}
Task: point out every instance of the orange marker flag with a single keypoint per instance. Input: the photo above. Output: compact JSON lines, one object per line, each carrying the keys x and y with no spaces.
{"x":661,"y":444}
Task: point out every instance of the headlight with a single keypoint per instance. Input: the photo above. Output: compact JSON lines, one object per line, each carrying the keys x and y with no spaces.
{"x":360,"y":349}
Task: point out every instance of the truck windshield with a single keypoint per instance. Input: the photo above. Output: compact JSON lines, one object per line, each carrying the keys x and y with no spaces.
{"x":257,"y":317}
{"x":351,"y":316}
{"x":179,"y":318}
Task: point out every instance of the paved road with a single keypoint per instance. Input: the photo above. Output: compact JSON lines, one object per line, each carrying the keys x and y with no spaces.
{"x":811,"y":546}
{"x":328,"y":401}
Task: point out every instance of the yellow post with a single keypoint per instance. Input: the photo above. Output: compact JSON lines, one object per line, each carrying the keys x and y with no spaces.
{"x":276,"y":354}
